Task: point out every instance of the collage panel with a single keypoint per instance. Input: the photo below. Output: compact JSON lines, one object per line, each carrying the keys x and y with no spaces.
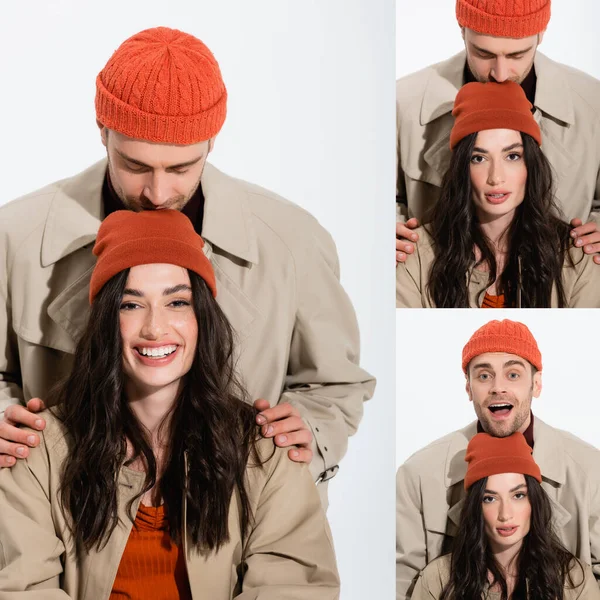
{"x":498,"y":158}
{"x":498,"y":466}
{"x":191,"y":247}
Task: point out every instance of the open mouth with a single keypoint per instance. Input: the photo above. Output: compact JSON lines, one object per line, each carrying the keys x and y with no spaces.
{"x":497,"y":198}
{"x":156,"y":353}
{"x":506,"y":531}
{"x":500,"y":409}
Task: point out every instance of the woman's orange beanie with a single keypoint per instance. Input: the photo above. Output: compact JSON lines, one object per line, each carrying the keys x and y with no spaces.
{"x":488,"y":455}
{"x":507,"y":336}
{"x":481,"y":106}
{"x":127,"y":239}
{"x":162,"y":85}
{"x":504,"y":18}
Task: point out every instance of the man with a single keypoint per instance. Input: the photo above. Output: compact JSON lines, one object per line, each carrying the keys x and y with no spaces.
{"x":503,"y":370}
{"x":501,"y":39}
{"x":160,"y":103}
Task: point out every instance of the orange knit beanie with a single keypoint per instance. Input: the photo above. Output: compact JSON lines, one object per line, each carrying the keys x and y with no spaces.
{"x":162,"y":85}
{"x":507,"y":336}
{"x":504,"y":18}
{"x":488,"y":455}
{"x":127,"y":239}
{"x":481,"y":106}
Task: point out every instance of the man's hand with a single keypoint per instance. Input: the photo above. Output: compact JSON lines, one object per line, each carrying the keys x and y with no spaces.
{"x":587,"y":237}
{"x":405,"y":235}
{"x":14,"y":441}
{"x":284,"y":423}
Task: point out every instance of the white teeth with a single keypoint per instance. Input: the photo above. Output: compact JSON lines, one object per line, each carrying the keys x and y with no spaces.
{"x":157,"y":352}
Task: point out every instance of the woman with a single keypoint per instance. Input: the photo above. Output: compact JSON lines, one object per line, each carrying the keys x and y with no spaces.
{"x":495,"y":237}
{"x":151,"y":480}
{"x":505,"y":547}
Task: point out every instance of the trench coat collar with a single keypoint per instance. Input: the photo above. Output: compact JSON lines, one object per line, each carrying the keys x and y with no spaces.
{"x":552,"y":94}
{"x":76,"y":212}
{"x":548,"y":453}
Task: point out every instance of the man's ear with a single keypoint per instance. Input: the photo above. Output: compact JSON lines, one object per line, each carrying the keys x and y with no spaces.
{"x":537,"y":384}
{"x":103,"y":134}
{"x":541,"y":36}
{"x":468,"y":388}
{"x":211,"y":143}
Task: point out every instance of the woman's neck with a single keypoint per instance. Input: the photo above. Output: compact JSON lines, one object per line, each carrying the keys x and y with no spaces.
{"x":152,"y":406}
{"x":495,"y":229}
{"x":507,"y":558}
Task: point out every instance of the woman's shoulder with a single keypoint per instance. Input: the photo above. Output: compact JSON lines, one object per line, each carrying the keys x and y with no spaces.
{"x":436,"y":574}
{"x":271,"y":466}
{"x":581,"y":280}
{"x":582,"y":584}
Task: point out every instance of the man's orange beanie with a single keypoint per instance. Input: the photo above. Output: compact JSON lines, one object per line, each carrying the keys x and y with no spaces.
{"x":507,"y":336}
{"x":481,"y":106}
{"x":127,"y":239}
{"x":504,"y":18}
{"x":488,"y":455}
{"x":162,"y":85}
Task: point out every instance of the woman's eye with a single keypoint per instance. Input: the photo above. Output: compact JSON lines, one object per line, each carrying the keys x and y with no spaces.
{"x":477,"y":159}
{"x":179,"y":303}
{"x":488,"y":499}
{"x":128,"y":306}
{"x":514,"y":156}
{"x":520,"y":495}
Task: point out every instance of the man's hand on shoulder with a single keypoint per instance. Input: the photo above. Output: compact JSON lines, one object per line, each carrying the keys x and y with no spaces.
{"x":14,"y":442}
{"x":284,"y":424}
{"x":587,"y":237}
{"x":406,"y":239}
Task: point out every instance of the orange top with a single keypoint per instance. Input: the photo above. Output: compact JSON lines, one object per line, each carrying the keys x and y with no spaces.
{"x":152,"y":567}
{"x":493,"y":301}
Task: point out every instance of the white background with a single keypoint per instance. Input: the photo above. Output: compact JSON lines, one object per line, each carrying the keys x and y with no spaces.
{"x":427,"y":32}
{"x":431,"y":400}
{"x":311,"y":113}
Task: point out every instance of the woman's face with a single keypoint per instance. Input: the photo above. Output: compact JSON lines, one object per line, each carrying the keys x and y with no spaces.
{"x":506,"y":511}
{"x":498,"y":173}
{"x":158,"y":326}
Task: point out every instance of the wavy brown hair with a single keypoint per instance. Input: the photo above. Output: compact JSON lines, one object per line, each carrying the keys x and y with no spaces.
{"x":543,"y":564}
{"x":210,"y":424}
{"x":538,"y":238}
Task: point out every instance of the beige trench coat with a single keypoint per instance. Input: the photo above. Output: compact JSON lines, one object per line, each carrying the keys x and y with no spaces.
{"x":581,"y":282}
{"x":567,"y":108}
{"x":436,"y":575}
{"x":430,"y":495}
{"x":289,"y":550}
{"x":278,"y":283}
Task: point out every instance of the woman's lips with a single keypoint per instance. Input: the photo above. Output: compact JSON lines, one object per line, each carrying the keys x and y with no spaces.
{"x":497,"y":197}
{"x":157,"y":361}
{"x":506,"y":531}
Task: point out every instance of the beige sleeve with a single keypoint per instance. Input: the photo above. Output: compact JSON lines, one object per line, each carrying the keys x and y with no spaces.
{"x":589,"y":590}
{"x":409,"y":282}
{"x":401,"y":199}
{"x":324,"y":380}
{"x":290,"y":550}
{"x":30,"y":550}
{"x":10,"y":377}
{"x":586,"y":289}
{"x":411,"y":542}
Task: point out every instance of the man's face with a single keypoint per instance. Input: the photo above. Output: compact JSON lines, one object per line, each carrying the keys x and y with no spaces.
{"x":498,"y":58}
{"x":149,"y":176}
{"x":501,"y":387}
